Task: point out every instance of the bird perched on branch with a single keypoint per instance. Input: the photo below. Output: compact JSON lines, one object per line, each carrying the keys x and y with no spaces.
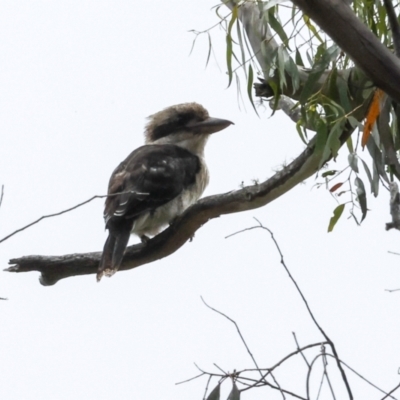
{"x":157,"y":181}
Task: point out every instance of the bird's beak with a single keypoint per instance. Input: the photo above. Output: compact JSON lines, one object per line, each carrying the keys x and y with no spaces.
{"x":209,"y":125}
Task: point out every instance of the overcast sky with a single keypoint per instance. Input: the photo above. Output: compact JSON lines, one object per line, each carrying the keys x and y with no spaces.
{"x":77,"y":81}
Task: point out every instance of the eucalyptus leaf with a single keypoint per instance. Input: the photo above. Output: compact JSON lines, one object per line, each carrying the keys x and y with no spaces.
{"x":353,"y":161}
{"x":369,"y":176}
{"x":337,"y":213}
{"x":229,"y":41}
{"x":234,"y":394}
{"x":215,"y":394}
{"x":361,"y":196}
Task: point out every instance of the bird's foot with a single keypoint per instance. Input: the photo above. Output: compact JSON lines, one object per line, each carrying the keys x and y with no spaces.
{"x":108,"y":272}
{"x":144,"y":239}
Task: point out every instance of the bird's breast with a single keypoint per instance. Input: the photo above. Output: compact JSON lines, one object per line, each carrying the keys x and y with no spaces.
{"x":151,"y":223}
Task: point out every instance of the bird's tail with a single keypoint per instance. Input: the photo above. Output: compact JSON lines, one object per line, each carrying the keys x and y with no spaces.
{"x":113,"y":251}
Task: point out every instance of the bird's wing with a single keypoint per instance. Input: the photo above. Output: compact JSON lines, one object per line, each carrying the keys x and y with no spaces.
{"x":151,"y":176}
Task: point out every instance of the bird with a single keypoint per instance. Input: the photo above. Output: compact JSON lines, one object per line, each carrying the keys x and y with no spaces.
{"x":159,"y":180}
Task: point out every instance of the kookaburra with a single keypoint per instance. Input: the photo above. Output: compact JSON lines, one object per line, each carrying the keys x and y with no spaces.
{"x":157,"y":181}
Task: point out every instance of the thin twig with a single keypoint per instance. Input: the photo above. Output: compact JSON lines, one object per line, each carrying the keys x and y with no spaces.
{"x":325,"y":362}
{"x":365,"y":379}
{"x":393,"y":390}
{"x":205,"y":391}
{"x":2,"y":194}
{"x":238,"y":330}
{"x":65,"y":211}
{"x":298,"y":347}
{"x":331,"y":344}
{"x":190,"y":379}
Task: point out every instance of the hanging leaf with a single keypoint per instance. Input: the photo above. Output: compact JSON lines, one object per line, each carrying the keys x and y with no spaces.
{"x":234,"y":394}
{"x":229,"y":49}
{"x":337,"y":213}
{"x":311,"y":27}
{"x":372,"y":115}
{"x":277,"y":27}
{"x":361,"y":197}
{"x":353,"y":159}
{"x":215,"y":394}
{"x":250,"y":87}
{"x":336,"y":187}
{"x":369,"y":176}
{"x":319,"y":67}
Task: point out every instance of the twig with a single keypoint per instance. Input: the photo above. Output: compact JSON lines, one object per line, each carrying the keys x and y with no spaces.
{"x":331,"y":344}
{"x":325,"y":362}
{"x":205,"y":391}
{"x":63,"y":212}
{"x":391,"y":290}
{"x":393,"y":390}
{"x":190,"y":379}
{"x":238,"y":330}
{"x":365,"y":379}
{"x":297,"y":344}
{"x":2,"y":194}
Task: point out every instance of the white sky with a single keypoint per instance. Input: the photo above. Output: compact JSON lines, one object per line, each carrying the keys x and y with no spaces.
{"x":77,"y":79}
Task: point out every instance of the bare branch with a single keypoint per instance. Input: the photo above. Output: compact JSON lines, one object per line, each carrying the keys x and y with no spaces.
{"x":365,"y":379}
{"x":392,"y":391}
{"x":2,"y":194}
{"x":331,"y":344}
{"x":63,"y":212}
{"x":297,"y":344}
{"x":238,"y":330}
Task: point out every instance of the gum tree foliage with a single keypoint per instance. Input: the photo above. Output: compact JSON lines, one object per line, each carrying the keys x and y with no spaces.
{"x":275,"y":48}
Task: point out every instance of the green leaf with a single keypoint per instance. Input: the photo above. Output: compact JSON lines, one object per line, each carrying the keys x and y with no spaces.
{"x":293,"y":71}
{"x":215,"y":394}
{"x":234,"y":394}
{"x":329,"y":173}
{"x":250,"y":87}
{"x":349,"y":143}
{"x":209,"y":48}
{"x":299,"y":60}
{"x":241,"y":46}
{"x":277,"y":27}
{"x":299,"y":129}
{"x":281,"y":60}
{"x":321,"y":139}
{"x":352,"y":159}
{"x":337,"y":213}
{"x":229,"y":47}
{"x":317,"y":71}
{"x":361,"y":196}
{"x":369,"y":176}
{"x":333,"y":143}
{"x":342,"y":89}
{"x":311,"y":27}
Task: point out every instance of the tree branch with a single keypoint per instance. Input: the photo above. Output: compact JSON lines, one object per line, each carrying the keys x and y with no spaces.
{"x":338,"y":20}
{"x":54,"y":268}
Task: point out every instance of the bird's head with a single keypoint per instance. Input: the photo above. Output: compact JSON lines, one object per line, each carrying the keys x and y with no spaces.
{"x":185,"y":125}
